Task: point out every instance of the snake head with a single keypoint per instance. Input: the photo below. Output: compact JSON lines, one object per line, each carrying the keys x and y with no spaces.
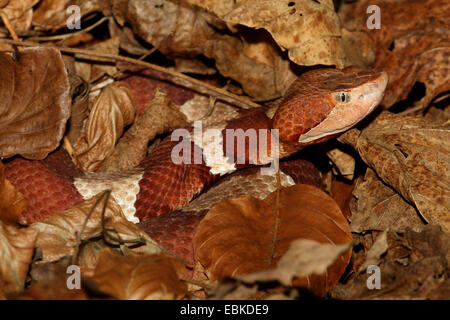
{"x":325,"y":102}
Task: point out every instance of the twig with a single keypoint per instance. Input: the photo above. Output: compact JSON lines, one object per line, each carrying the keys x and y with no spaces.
{"x":68,"y":35}
{"x":78,"y":243}
{"x":176,"y":77}
{"x":10,"y":28}
{"x":120,"y":71}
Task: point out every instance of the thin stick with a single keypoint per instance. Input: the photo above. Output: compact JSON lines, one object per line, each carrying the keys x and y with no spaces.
{"x":68,"y":35}
{"x":277,"y":212}
{"x":10,"y":28}
{"x":120,"y":71}
{"x":176,"y":77}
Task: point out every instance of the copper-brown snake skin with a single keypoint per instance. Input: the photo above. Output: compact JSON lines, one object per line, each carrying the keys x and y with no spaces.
{"x":319,"y":105}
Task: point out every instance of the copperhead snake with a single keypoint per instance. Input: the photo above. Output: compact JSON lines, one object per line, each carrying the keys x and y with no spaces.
{"x":319,"y":105}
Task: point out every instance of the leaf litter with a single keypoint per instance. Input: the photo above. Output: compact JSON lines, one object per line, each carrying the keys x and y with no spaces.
{"x":391,"y":193}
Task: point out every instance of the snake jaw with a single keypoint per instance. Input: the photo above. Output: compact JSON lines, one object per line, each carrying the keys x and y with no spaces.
{"x":337,"y":102}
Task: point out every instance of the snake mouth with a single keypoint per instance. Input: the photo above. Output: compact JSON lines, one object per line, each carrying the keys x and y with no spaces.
{"x":365,"y":98}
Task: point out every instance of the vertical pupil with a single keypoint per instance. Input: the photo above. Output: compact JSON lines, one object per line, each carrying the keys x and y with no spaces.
{"x":343,"y":97}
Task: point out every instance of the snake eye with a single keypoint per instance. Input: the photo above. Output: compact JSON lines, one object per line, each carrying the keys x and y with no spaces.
{"x":343,"y":97}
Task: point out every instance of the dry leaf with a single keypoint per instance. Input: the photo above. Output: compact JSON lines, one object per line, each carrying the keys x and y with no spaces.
{"x":303,"y":258}
{"x":79,"y":90}
{"x":12,"y":202}
{"x":16,"y":250}
{"x":113,"y":109}
{"x":413,"y":265}
{"x":412,"y":155}
{"x":413,"y":44}
{"x":52,"y":15}
{"x":20,"y":13}
{"x":245,"y":235}
{"x":59,"y":233}
{"x":96,"y":67}
{"x":309,"y":30}
{"x":139,"y":277}
{"x":179,"y":30}
{"x":49,"y":282}
{"x":34,"y":102}
{"x":375,"y":206}
{"x":161,"y":116}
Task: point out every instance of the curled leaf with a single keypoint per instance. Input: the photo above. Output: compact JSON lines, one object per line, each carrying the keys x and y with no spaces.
{"x":114,"y":108}
{"x":159,"y":117}
{"x":34,"y":102}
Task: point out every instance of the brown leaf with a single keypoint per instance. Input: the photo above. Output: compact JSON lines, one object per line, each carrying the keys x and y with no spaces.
{"x":12,"y":202}
{"x":139,"y":277}
{"x":51,"y":14}
{"x":113,"y":109}
{"x":49,"y":282}
{"x":412,"y":155}
{"x":96,"y":67}
{"x":159,"y":117}
{"x":413,"y":44}
{"x":79,"y":90}
{"x":303,"y":258}
{"x":245,"y":235}
{"x":413,"y":265}
{"x":34,"y":102}
{"x":309,"y":30}
{"x":375,"y":206}
{"x":180,"y":30}
{"x":20,"y":13}
{"x":59,"y":233}
{"x":16,"y":250}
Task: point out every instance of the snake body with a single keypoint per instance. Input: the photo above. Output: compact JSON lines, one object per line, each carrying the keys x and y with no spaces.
{"x":319,"y":105}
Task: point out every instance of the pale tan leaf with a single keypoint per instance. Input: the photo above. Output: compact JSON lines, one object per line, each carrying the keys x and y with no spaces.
{"x":303,"y":258}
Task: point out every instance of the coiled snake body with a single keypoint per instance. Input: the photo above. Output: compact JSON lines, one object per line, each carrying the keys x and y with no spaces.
{"x":319,"y":105}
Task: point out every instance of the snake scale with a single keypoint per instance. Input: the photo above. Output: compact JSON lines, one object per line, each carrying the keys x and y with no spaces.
{"x":319,"y":105}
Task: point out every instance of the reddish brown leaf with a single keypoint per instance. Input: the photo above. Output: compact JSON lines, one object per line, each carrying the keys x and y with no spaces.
{"x":413,"y":44}
{"x":245,"y":235}
{"x":34,"y":102}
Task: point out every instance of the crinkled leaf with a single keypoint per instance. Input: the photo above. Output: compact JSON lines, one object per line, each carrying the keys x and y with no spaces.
{"x":412,"y":155}
{"x":59,"y":233}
